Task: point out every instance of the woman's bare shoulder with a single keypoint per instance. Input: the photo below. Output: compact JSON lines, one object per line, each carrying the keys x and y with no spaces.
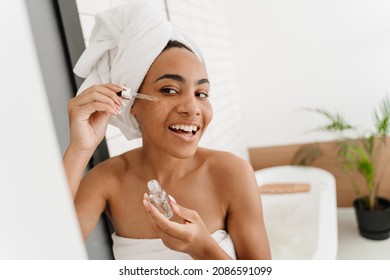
{"x":109,"y":171}
{"x":227,"y":164}
{"x":224,"y":159}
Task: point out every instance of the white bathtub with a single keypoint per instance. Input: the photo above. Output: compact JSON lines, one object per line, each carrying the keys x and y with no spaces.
{"x":300,"y":225}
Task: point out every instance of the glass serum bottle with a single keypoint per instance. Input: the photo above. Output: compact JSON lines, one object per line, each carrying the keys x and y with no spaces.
{"x":159,"y":198}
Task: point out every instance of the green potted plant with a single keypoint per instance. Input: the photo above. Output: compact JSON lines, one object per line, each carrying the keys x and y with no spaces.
{"x":358,"y":156}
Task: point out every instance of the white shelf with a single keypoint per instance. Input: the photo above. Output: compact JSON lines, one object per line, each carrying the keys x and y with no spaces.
{"x":352,"y":246}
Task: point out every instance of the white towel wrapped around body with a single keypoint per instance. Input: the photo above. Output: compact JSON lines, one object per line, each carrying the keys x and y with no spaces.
{"x":154,"y":249}
{"x":124,"y":43}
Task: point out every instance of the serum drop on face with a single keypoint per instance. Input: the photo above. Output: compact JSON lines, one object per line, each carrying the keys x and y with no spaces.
{"x":159,"y":198}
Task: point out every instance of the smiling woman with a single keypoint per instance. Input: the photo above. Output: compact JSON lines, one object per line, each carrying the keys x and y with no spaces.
{"x":213,"y":194}
{"x":183,"y":111}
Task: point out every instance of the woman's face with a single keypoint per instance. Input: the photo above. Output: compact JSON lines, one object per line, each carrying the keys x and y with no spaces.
{"x":177,"y":121}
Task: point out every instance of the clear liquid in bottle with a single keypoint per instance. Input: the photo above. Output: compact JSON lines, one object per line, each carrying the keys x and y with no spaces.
{"x":159,"y":198}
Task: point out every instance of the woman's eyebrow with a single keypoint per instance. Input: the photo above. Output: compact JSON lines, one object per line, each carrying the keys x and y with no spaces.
{"x":172,"y":77}
{"x":203,"y":81}
{"x":181,"y":79}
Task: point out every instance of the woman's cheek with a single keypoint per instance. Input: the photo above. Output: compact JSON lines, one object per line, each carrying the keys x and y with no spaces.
{"x":208,"y":113}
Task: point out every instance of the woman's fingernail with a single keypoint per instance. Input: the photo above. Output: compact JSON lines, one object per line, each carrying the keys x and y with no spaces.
{"x":118,"y":101}
{"x":145,"y":201}
{"x":172,"y":199}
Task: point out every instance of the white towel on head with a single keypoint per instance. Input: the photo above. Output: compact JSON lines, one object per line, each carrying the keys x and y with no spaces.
{"x":123,"y":45}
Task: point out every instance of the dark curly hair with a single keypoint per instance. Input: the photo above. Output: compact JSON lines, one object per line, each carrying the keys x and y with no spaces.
{"x":176,"y":44}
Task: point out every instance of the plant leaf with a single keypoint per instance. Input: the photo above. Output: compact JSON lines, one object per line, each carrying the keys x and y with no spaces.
{"x":306,"y":154}
{"x":382,"y":118}
{"x":336,"y":121}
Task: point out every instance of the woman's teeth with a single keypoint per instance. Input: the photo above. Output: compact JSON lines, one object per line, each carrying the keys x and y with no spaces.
{"x":185,"y":128}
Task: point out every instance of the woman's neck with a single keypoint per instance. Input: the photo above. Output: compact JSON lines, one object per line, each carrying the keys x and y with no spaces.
{"x":165,"y":167}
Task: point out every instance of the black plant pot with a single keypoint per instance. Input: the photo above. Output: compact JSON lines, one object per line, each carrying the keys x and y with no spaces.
{"x":373,"y":224}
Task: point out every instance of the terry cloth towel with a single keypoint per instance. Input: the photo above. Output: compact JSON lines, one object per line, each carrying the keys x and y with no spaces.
{"x":154,"y":249}
{"x":124,"y":42}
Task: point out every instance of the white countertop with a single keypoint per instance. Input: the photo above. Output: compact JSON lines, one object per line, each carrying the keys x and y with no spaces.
{"x":352,"y":246}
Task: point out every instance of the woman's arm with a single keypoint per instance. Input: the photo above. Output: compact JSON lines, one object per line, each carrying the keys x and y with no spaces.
{"x":245,"y":222}
{"x":89,"y":114}
{"x":75,"y":162}
{"x":91,"y":199}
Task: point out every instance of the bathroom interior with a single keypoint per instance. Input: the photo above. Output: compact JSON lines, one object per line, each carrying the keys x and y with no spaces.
{"x":267,"y":61}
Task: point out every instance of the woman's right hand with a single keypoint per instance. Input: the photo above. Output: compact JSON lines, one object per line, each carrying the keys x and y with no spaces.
{"x":191,"y":236}
{"x":89,"y":114}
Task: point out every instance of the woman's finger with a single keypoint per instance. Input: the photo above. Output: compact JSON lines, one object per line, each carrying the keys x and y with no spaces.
{"x":95,"y":100}
{"x":92,"y":93}
{"x":91,"y":96}
{"x":112,"y":90}
{"x":187,"y":237}
{"x":166,"y":226}
{"x":153,"y":214}
{"x":85,"y":111}
{"x":172,"y":234}
{"x":188,"y":215}
{"x":156,"y":217}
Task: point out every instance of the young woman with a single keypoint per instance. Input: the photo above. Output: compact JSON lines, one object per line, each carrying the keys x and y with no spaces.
{"x":214,"y":196}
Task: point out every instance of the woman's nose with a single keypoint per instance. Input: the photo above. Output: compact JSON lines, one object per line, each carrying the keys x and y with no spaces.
{"x":189,"y":105}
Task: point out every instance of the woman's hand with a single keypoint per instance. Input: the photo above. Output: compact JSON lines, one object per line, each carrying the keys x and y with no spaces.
{"x":191,"y":236}
{"x":89,"y":114}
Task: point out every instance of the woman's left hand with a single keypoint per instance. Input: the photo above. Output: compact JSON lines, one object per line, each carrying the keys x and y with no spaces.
{"x":191,"y":236}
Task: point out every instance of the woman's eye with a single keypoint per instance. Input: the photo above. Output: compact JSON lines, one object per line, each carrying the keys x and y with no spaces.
{"x":168,"y":91}
{"x":201,"y":95}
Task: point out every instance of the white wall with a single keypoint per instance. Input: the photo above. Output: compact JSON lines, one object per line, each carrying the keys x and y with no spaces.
{"x":37,"y":216}
{"x":333,"y":54}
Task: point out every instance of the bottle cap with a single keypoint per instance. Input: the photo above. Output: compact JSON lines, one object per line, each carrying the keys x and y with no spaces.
{"x":154,"y":186}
